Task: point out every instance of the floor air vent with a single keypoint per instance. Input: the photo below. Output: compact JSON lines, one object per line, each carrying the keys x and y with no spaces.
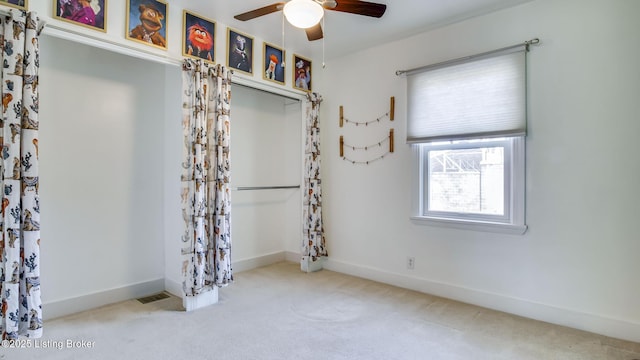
{"x":152,"y":298}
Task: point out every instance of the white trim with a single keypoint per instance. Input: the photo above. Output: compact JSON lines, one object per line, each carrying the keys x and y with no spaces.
{"x":173,"y":287}
{"x":518,"y":181}
{"x":471,"y":225}
{"x":596,"y":323}
{"x":158,"y":56}
{"x":306,"y":265}
{"x":513,"y":222}
{"x":191,"y":303}
{"x":507,"y":146}
{"x":291,"y":256}
{"x":257,"y":261}
{"x":105,"y":43}
{"x":59,"y":308}
{"x":242,"y":79}
{"x":264,"y":260}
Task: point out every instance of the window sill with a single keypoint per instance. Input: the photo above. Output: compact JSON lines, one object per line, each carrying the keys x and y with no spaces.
{"x":471,"y":225}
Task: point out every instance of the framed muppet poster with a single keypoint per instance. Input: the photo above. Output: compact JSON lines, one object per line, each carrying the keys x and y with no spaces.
{"x":301,"y":73}
{"x":147,"y":22}
{"x":239,"y":51}
{"x":198,"y":37}
{"x":87,"y":13}
{"x":273,"y":63}
{"x":19,"y":4}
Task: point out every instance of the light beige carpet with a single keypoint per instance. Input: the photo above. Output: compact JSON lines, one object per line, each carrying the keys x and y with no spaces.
{"x":278,"y":312}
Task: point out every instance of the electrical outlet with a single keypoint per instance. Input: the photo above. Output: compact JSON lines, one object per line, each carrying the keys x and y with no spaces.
{"x":411,"y":262}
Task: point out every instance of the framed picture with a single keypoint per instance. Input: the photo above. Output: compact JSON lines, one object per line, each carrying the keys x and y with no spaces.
{"x":147,"y":22}
{"x":19,"y":4}
{"x":273,"y":63}
{"x":301,"y":73}
{"x":88,"y":13}
{"x":239,"y":51}
{"x":198,"y":37}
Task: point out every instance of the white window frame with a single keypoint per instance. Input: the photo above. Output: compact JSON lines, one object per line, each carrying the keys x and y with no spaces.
{"x":513,"y":221}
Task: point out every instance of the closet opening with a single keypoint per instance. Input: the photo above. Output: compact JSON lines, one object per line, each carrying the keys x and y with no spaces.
{"x":266,"y":173}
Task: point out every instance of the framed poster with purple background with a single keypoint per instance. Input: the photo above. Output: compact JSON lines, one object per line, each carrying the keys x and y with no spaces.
{"x":18,"y":4}
{"x":87,"y":13}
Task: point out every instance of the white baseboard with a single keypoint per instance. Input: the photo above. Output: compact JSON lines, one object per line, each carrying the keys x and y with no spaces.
{"x":55,"y":309}
{"x":617,"y":328}
{"x":175,"y":288}
{"x":291,"y":256}
{"x":262,"y":260}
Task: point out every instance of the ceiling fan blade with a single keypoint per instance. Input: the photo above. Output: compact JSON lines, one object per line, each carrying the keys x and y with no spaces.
{"x":259,"y":12}
{"x":359,"y":7}
{"x":314,"y":32}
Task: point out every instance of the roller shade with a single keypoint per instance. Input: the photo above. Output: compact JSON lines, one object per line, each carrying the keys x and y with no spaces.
{"x":483,"y":96}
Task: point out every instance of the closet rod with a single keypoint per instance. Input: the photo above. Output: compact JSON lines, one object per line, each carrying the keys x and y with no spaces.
{"x":241,"y":188}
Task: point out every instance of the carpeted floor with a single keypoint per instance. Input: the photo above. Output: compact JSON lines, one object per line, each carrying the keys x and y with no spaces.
{"x":278,"y":312}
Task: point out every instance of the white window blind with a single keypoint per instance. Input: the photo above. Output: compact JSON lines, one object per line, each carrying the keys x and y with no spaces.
{"x":479,"y":97}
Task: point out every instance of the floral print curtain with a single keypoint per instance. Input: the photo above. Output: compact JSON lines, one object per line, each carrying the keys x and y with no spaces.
{"x":21,"y":311}
{"x":313,"y":242}
{"x":206,"y":198}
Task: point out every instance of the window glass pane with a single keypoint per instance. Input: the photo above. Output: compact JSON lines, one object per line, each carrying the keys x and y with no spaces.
{"x":469,"y":180}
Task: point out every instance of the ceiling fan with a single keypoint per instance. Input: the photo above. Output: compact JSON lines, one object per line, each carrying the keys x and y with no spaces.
{"x":306,"y":14}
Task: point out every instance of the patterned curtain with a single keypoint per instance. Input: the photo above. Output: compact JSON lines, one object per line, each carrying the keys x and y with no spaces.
{"x":313,"y":243}
{"x":206,"y":198}
{"x":21,"y":313}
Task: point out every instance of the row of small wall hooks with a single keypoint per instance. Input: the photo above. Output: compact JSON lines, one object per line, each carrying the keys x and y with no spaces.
{"x":365,"y":148}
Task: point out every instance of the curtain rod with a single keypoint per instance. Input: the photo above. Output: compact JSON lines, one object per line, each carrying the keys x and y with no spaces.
{"x":6,"y":12}
{"x":241,"y":188}
{"x":525,"y":44}
{"x":269,"y":90}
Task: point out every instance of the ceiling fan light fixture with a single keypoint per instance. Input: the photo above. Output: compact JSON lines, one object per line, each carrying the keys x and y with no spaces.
{"x":303,"y":13}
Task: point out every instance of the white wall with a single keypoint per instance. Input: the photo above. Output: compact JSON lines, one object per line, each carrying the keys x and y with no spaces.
{"x":577,"y":264}
{"x":172,"y":159}
{"x":265,"y":149}
{"x":135,"y":231}
{"x":294,"y":133}
{"x":111,"y":141}
{"x":101,"y":139}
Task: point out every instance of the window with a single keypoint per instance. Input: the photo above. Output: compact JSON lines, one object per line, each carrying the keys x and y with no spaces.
{"x":473,"y":184}
{"x":467,"y":122}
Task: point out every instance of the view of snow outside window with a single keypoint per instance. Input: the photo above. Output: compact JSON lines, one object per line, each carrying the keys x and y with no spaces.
{"x":467,"y":180}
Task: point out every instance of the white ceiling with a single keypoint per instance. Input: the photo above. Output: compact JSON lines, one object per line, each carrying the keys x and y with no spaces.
{"x":345,"y":33}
